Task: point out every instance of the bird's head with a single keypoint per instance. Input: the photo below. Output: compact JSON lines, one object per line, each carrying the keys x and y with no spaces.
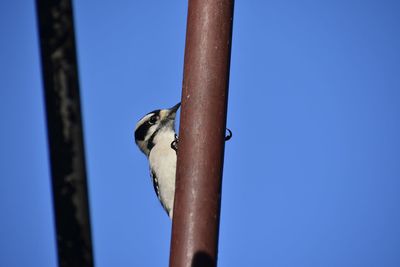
{"x":152,"y":123}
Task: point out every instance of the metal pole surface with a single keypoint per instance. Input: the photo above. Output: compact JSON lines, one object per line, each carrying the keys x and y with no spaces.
{"x":196,"y":214}
{"x":65,"y":134}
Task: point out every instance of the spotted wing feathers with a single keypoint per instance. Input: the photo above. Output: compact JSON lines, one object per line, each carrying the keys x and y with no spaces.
{"x":157,"y":189}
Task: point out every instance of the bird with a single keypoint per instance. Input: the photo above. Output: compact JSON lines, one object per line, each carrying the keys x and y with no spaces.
{"x":154,"y":136}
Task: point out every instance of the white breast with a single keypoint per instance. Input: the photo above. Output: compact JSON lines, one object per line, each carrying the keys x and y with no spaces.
{"x":162,"y":160}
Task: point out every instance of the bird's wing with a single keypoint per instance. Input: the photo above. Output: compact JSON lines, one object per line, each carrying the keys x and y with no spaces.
{"x":157,"y":189}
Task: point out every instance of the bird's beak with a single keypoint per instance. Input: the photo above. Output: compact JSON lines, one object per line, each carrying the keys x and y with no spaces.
{"x":173,"y":110}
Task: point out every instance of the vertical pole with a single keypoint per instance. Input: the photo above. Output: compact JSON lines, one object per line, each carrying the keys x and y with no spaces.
{"x":65,"y":134}
{"x":196,"y":214}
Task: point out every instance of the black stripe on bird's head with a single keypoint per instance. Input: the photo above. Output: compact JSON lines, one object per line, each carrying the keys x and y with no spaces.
{"x":152,"y":122}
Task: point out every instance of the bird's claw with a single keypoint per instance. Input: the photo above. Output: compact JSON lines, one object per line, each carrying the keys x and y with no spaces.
{"x":229,"y":135}
{"x":174,"y":144}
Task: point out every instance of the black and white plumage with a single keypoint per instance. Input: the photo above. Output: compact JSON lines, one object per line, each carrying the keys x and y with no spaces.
{"x":154,"y":134}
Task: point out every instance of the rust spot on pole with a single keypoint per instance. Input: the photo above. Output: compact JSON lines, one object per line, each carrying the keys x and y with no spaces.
{"x":202,"y":133}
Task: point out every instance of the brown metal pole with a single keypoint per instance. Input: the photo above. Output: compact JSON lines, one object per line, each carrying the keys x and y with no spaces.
{"x":201,"y":135}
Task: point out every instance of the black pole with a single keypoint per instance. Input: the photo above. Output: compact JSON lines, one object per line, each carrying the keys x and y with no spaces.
{"x":65,"y":134}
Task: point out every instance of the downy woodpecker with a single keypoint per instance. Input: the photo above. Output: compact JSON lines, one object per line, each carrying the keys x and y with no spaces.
{"x":154,"y":135}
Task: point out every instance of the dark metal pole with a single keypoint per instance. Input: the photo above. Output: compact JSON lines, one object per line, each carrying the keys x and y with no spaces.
{"x":65,"y":134}
{"x":201,"y":135}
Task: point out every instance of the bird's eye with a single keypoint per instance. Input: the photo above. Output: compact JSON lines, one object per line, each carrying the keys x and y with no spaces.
{"x":153,"y":119}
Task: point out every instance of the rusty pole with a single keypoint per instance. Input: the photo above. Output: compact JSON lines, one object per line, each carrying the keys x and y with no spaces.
{"x":65,"y":133}
{"x":201,"y":135}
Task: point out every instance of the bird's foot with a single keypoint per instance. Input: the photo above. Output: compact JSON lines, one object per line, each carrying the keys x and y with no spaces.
{"x":174,"y":144}
{"x":229,"y":135}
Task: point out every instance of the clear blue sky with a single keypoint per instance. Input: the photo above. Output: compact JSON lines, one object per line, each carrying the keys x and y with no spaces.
{"x":311,"y":176}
